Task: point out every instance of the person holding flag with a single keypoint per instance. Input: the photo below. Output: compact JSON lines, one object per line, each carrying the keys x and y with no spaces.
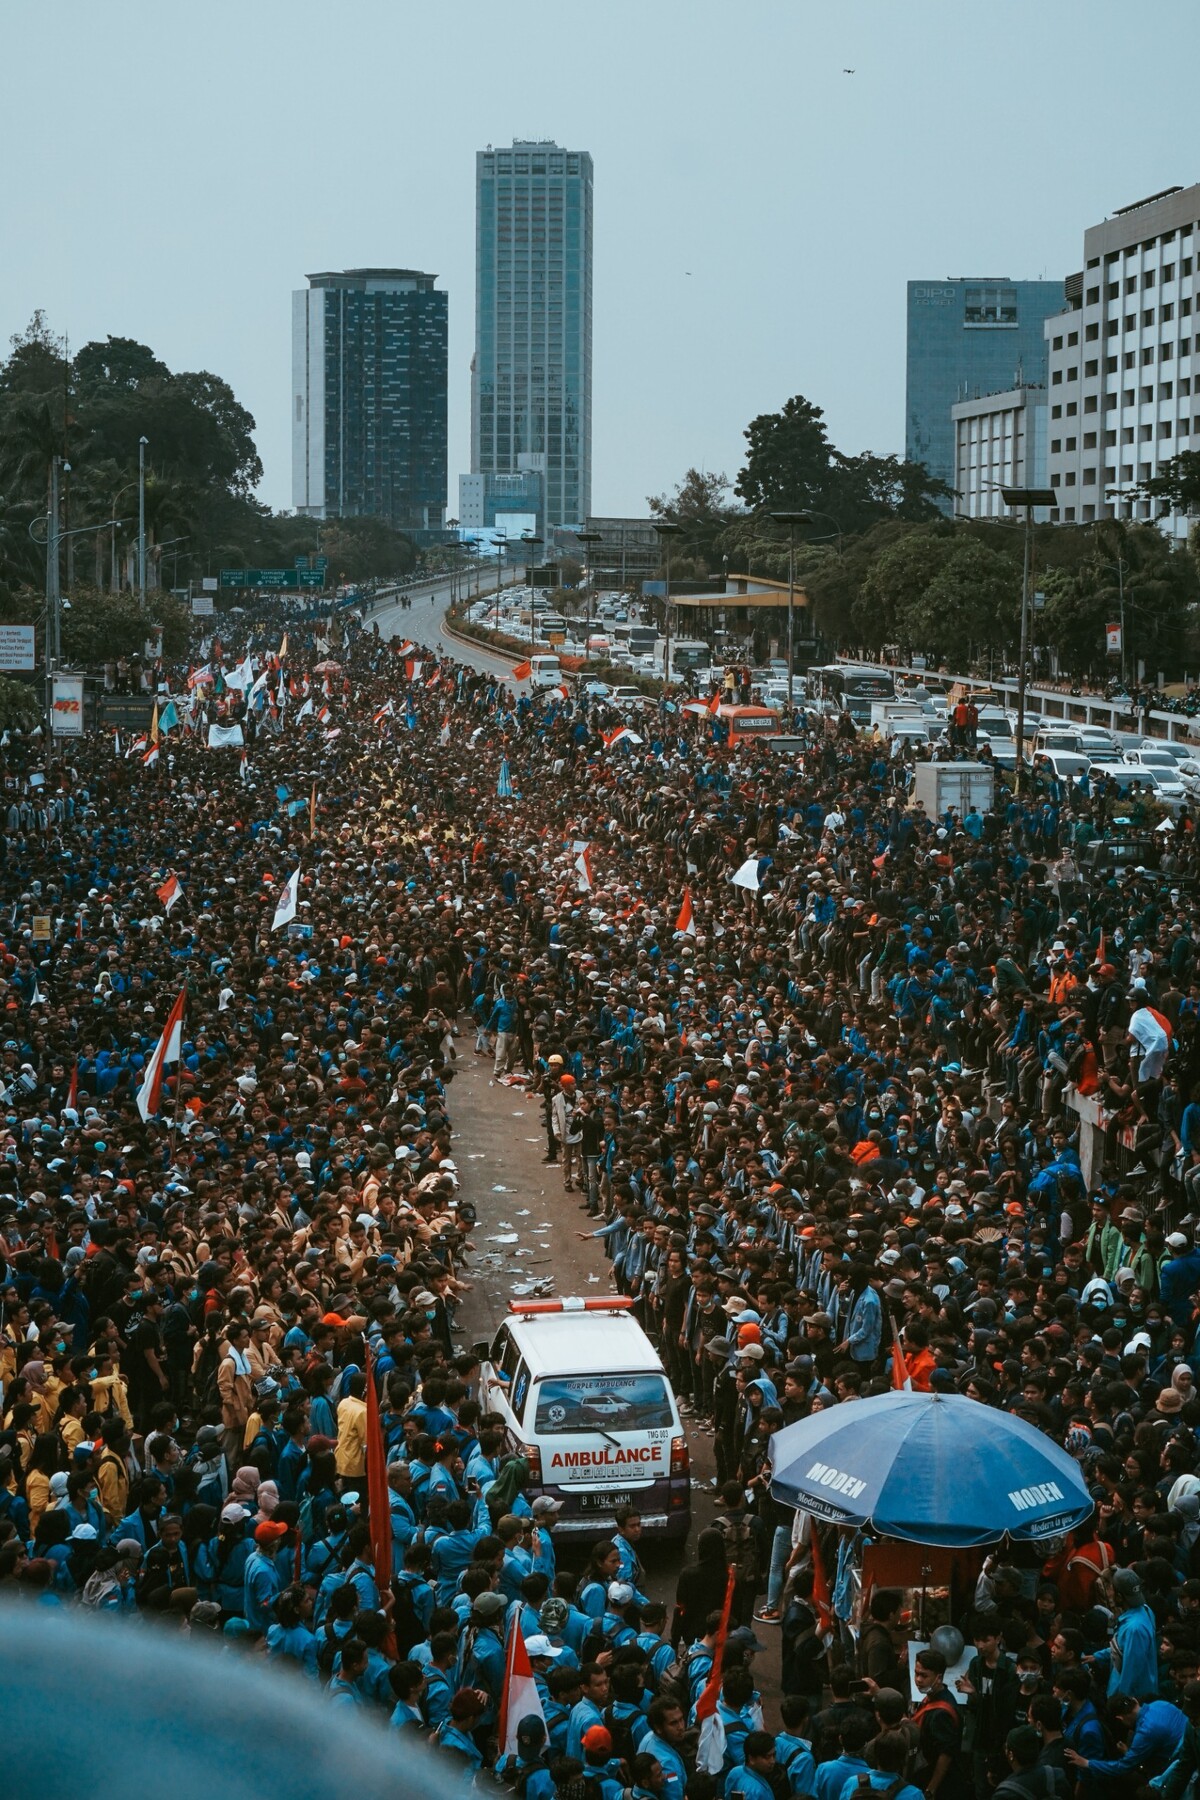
{"x":289,"y":899}
{"x":166,"y":1051}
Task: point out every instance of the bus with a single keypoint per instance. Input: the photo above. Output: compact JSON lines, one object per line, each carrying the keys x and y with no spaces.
{"x":686,"y":654}
{"x":841,"y":687}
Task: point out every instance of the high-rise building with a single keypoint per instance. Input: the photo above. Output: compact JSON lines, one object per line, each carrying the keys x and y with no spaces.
{"x":999,"y":442}
{"x":531,"y":379}
{"x":369,"y":358}
{"x":967,"y":337}
{"x":1124,"y":361}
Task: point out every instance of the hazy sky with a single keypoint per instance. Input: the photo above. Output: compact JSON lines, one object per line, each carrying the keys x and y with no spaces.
{"x":172,"y":172}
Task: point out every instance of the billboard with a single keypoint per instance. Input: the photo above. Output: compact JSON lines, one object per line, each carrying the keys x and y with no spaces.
{"x":16,"y":647}
{"x":66,"y":705}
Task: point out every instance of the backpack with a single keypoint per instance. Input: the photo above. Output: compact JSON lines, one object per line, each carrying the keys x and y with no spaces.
{"x":407,"y":1628}
{"x":204,"y":1384}
{"x":620,"y":1729}
{"x":865,"y":1789}
{"x":741,"y":1547}
{"x":676,"y":1683}
{"x":327,"y":1649}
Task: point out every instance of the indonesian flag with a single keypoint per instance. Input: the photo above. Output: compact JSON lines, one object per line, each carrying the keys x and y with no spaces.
{"x":519,"y":1696}
{"x":558,"y":693}
{"x":619,"y":734}
{"x":444,"y":733}
{"x":715,"y":703}
{"x":170,"y":891}
{"x":406,"y":648}
{"x":377,"y":1489}
{"x":901,"y":1379}
{"x":166,"y":1051}
{"x":324,"y":714}
{"x":138,"y":746}
{"x":710,"y":1752}
{"x":523,"y":671}
{"x":686,"y":922}
{"x":200,"y":677}
{"x":385,"y":712}
{"x":583,"y":864}
{"x":413,"y":667}
{"x":73,"y":1090}
{"x":150,"y":757}
{"x":289,"y":898}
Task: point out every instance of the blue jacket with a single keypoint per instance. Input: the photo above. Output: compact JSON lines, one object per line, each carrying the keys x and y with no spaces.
{"x":263,"y":1584}
{"x":1136,"y":1636}
{"x":1157,"y":1735}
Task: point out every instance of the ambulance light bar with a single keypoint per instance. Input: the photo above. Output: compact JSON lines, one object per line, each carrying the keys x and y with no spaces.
{"x":572,"y":1304}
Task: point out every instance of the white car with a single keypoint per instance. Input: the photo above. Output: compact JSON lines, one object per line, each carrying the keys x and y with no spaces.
{"x":585,"y":1401}
{"x":626,"y":699}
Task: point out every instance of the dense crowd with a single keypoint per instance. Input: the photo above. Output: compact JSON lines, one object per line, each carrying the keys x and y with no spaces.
{"x":800,"y":1112}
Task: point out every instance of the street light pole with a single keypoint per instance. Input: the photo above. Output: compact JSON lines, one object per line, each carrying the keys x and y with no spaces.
{"x":1028,"y":498}
{"x":586,"y":538}
{"x":142,"y":442}
{"x":791,"y":520}
{"x":667,"y":530}
{"x":531,"y":540}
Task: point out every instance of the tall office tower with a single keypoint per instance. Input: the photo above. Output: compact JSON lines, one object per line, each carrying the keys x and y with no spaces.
{"x":1124,"y":363}
{"x":369,"y":358}
{"x":531,"y":380}
{"x":969,"y":337}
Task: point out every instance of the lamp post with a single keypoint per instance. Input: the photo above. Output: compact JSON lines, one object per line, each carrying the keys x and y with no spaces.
{"x":531,"y":539}
{"x":452,"y":525}
{"x":791,"y":520}
{"x":1028,"y":497}
{"x":586,"y":538}
{"x":666,"y":530}
{"x":500,"y":537}
{"x":142,"y":442}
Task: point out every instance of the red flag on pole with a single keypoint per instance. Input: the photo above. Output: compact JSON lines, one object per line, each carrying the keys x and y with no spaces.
{"x":73,"y":1090}
{"x":519,"y":1696}
{"x":685,"y":922}
{"x":711,"y":1692}
{"x":822,"y":1604}
{"x":378,"y":1497}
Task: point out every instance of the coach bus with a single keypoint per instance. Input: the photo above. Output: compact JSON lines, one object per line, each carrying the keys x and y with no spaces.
{"x":841,"y":687}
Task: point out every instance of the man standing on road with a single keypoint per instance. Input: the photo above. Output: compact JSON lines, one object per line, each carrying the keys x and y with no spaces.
{"x":503,"y":1021}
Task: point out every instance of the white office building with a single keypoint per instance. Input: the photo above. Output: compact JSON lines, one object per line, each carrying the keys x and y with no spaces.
{"x":1123,"y":362}
{"x":999,"y":442}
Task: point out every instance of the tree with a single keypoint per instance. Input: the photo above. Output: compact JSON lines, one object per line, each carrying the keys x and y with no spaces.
{"x":1177,"y":483}
{"x":789,"y":457}
{"x":20,"y":709}
{"x":865,"y":489}
{"x":972,"y":602}
{"x":702,"y":508}
{"x":893,"y":587}
{"x":361,"y":549}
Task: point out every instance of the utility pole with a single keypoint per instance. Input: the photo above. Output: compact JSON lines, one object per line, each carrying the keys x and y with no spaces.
{"x":142,"y":442}
{"x":1028,"y":498}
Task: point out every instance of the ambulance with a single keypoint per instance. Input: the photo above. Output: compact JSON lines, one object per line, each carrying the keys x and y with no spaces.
{"x":585,"y":1401}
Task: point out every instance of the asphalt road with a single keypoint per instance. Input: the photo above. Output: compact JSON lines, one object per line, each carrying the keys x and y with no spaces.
{"x":424,"y":623}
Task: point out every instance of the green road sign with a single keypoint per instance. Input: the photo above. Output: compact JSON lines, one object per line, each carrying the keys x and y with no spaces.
{"x":273,"y":578}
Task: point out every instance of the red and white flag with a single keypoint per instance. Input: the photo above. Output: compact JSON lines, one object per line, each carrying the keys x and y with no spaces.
{"x":620,"y":734}
{"x":170,"y":891}
{"x":519,"y":1696}
{"x":406,"y":648}
{"x":686,"y":921}
{"x":901,"y":1379}
{"x":150,"y":757}
{"x":715,"y":703}
{"x":324,"y":715}
{"x":583,"y":865}
{"x":413,"y":667}
{"x":444,"y":733}
{"x":166,"y":1051}
{"x":385,"y":712}
{"x":710,"y":1751}
{"x":73,"y":1090}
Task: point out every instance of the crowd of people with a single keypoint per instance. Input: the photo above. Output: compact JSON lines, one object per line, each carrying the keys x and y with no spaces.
{"x":819,"y":1119}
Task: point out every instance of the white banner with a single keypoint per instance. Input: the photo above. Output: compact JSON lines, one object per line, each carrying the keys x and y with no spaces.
{"x":66,"y":705}
{"x":220,"y":735}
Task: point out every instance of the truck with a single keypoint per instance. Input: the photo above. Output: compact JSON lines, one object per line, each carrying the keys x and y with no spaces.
{"x":938,"y":786}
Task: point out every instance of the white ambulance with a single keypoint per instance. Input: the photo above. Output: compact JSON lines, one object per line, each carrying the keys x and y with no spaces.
{"x":585,"y":1401}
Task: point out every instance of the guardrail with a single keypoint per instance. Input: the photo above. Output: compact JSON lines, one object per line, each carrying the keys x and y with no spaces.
{"x":1074,"y":709}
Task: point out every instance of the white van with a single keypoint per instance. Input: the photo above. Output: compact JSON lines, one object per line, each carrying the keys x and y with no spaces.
{"x":545,"y":671}
{"x":586,"y":1402}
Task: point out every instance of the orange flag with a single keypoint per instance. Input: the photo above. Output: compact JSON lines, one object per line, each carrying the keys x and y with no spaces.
{"x":900,"y":1376}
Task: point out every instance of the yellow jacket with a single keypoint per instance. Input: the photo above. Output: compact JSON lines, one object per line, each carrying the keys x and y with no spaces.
{"x":37,"y":1496}
{"x":351,"y":1453}
{"x":112,"y":1480}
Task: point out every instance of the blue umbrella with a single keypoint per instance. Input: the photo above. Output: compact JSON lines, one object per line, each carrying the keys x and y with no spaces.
{"x":929,"y":1468}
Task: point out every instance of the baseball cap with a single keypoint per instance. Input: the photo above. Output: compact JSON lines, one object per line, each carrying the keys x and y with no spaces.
{"x":598,"y":1739}
{"x":541,"y":1646}
{"x":1177,"y":1241}
{"x":489,"y":1605}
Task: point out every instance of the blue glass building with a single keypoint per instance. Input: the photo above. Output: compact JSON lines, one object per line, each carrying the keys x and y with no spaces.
{"x":369,"y":396}
{"x":531,"y":380}
{"x":966,"y":338}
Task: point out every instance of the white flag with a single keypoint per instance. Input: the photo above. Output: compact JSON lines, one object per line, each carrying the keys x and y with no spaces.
{"x":285,"y":912}
{"x":747,"y":875}
{"x":243,"y":676}
{"x":305,"y":711}
{"x":220,"y":735}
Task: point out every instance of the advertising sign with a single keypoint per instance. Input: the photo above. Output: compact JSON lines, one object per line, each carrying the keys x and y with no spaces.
{"x":16,"y":647}
{"x":66,"y":705}
{"x":1112,"y":639}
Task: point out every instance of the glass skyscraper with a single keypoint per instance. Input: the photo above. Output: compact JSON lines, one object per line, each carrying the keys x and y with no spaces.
{"x":369,"y":359}
{"x":531,"y":380}
{"x":966,"y":338}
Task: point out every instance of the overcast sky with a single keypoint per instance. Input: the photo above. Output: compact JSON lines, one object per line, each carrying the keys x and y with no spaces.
{"x":172,"y":172}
